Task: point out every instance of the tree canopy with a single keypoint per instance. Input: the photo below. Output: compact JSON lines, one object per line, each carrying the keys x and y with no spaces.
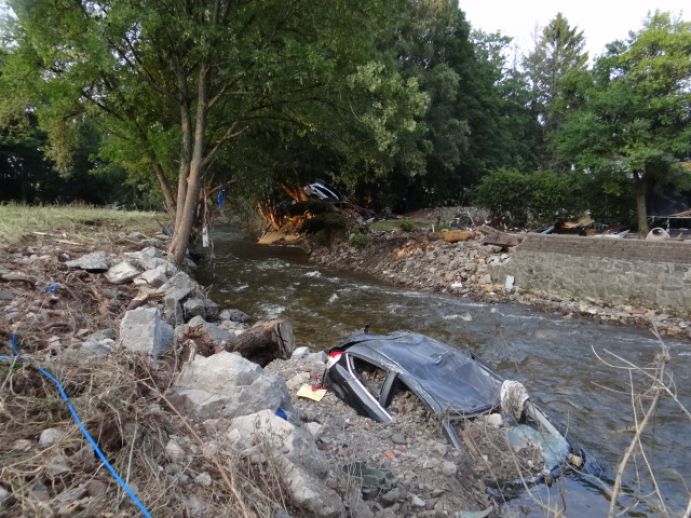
{"x":635,"y":120}
{"x":399,"y":103}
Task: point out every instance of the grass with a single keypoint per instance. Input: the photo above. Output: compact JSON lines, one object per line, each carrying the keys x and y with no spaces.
{"x":88,"y":222}
{"x":394,"y":224}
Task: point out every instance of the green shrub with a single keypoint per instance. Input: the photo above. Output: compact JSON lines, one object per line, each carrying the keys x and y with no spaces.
{"x":359,"y":240}
{"x":539,"y":198}
{"x":505,"y":193}
{"x":406,"y":225}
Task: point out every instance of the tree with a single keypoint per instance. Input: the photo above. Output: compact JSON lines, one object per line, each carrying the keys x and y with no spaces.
{"x":175,"y":83}
{"x":559,"y":49}
{"x":635,"y":119}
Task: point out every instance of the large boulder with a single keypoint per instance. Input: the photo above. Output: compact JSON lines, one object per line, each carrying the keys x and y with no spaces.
{"x":299,"y":462}
{"x":227,"y":385}
{"x":143,"y":330}
{"x":94,"y":262}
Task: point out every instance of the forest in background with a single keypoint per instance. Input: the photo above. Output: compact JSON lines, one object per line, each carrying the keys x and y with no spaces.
{"x":399,"y":104}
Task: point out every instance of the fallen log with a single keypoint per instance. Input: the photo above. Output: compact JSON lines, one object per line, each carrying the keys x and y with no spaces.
{"x":499,"y":238}
{"x":264,"y":341}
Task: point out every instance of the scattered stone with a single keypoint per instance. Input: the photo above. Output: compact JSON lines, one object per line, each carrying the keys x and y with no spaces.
{"x":138,"y":236}
{"x":449,"y":468}
{"x":174,"y":451}
{"x":121,"y":273}
{"x":101,"y":348}
{"x":102,"y":334}
{"x":416,"y":501}
{"x":39,"y":491}
{"x":235,"y":315}
{"x":56,"y":466}
{"x":203,"y":479}
{"x":315,"y":429}
{"x":172,"y":311}
{"x":17,"y":276}
{"x":22,"y":445}
{"x":143,"y":330}
{"x":178,"y":286}
{"x":49,"y":437}
{"x":6,"y":295}
{"x":196,"y":507}
{"x":215,"y":333}
{"x":94,"y":262}
{"x":155,"y":277}
{"x":71,"y":495}
{"x":227,"y":385}
{"x":300,"y":352}
{"x":96,"y":488}
{"x":194,"y":307}
{"x":297,"y":381}
{"x":4,"y":495}
{"x":398,"y":438}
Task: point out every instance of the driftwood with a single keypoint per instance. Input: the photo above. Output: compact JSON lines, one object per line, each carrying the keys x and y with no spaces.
{"x":264,"y":341}
{"x":499,"y":238}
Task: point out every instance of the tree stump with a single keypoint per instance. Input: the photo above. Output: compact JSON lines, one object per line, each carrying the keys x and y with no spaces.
{"x":264,"y":341}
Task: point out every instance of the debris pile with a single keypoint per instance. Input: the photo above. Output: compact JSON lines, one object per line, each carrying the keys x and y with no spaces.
{"x":194,"y":428}
{"x":426,"y":261}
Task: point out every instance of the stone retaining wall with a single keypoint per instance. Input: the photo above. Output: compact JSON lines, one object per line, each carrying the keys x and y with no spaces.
{"x":639,"y":273}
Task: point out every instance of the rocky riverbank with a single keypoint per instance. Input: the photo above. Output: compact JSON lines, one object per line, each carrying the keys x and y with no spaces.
{"x":194,"y":429}
{"x":424,"y":261}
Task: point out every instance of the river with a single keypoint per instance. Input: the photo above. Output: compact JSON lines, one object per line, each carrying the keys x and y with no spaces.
{"x":554,"y":357}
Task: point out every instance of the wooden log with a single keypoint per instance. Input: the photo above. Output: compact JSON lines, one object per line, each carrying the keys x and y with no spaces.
{"x":264,"y":341}
{"x":499,"y":238}
{"x":453,"y":236}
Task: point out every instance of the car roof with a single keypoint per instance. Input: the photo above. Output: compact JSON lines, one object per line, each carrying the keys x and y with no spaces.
{"x":453,"y":380}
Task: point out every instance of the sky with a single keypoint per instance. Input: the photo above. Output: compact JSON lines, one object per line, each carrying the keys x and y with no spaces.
{"x":602,"y":21}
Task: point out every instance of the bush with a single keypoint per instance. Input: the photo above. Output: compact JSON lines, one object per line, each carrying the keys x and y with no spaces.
{"x":359,"y":240}
{"x":406,"y":225}
{"x":540,"y":198}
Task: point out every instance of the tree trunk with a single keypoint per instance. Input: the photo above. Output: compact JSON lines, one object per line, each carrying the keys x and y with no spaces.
{"x":187,"y":212}
{"x":185,"y":158}
{"x":265,"y":341}
{"x":168,"y":199}
{"x":641,"y":205}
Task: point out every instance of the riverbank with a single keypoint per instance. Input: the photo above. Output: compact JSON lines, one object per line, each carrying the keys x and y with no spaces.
{"x":423,"y":261}
{"x":194,"y":432}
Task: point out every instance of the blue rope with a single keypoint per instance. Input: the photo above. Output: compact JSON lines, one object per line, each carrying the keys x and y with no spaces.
{"x":75,"y":416}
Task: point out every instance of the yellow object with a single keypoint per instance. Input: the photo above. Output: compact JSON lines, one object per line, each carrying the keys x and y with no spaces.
{"x":308,"y":392}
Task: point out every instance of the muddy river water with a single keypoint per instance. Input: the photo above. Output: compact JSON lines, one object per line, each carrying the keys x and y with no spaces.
{"x":554,"y":357}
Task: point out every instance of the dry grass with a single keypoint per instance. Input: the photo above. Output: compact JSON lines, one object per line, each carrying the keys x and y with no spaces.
{"x":120,"y":401}
{"x":89,"y":223}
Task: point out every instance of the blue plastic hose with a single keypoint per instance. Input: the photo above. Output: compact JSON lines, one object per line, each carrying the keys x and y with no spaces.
{"x":75,"y":417}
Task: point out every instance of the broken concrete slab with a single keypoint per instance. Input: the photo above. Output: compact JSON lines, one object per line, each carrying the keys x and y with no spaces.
{"x":94,"y":262}
{"x":227,"y":385}
{"x":122,"y":273}
{"x":143,"y":330}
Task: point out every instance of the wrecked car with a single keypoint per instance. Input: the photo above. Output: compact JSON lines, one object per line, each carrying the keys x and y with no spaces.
{"x":367,"y":371}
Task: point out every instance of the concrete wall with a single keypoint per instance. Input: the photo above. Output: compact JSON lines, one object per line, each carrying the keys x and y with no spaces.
{"x":643,"y":274}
